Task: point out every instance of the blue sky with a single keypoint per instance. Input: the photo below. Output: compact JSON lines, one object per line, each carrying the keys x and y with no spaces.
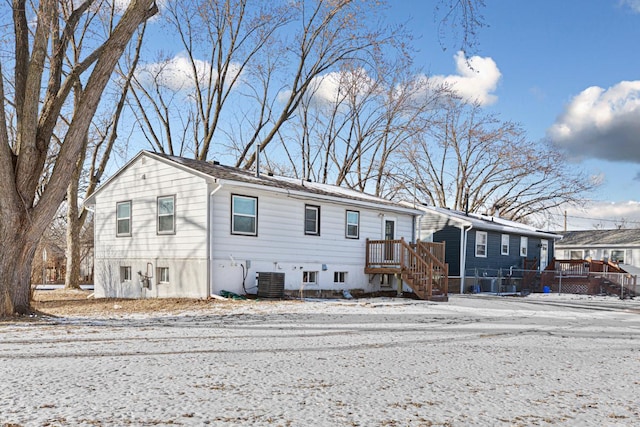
{"x":544,"y":56}
{"x":568,"y":70}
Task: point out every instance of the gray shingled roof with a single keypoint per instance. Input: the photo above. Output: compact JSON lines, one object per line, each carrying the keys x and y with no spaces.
{"x":624,"y":237}
{"x":229,"y":173}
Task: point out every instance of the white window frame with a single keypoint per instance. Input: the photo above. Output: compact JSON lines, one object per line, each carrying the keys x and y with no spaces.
{"x":504,"y":244}
{"x":309,"y":277}
{"x":163,"y":275}
{"x":339,"y":277}
{"x":355,"y":224}
{"x":164,"y":215}
{"x":124,"y":218}
{"x":481,"y":235}
{"x":576,"y":254}
{"x":125,"y":273}
{"x":618,"y":250}
{"x":316,"y":229}
{"x":235,"y":214}
{"x":524,"y":242}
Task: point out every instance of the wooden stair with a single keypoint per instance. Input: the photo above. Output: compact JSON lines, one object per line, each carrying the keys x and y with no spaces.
{"x":421,"y":266}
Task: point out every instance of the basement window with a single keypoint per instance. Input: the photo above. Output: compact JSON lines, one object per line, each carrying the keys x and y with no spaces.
{"x":125,"y":274}
{"x":309,"y":277}
{"x":163,"y":274}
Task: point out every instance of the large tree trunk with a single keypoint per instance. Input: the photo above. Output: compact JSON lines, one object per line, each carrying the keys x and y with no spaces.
{"x":74,"y":226}
{"x":17,"y":250}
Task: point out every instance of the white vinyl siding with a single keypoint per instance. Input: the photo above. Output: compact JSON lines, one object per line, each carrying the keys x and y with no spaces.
{"x":524,"y":242}
{"x":166,"y":215}
{"x":504,"y":246}
{"x":481,"y":244}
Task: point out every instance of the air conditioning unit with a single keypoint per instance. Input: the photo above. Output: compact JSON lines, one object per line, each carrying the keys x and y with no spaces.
{"x":270,"y":285}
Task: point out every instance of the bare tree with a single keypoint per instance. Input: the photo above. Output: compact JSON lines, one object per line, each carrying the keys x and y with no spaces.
{"x":100,"y":143}
{"x":472,"y":160}
{"x":353,"y":124}
{"x":179,"y":101}
{"x":41,"y":37}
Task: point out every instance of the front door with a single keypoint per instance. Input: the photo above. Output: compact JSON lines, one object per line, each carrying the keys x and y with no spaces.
{"x":544,"y":254}
{"x":389,"y":234}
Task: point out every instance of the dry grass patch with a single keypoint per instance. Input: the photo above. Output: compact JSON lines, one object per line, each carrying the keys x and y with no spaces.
{"x":63,"y":302}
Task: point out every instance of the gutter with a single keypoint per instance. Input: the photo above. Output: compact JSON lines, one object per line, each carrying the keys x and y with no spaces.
{"x":315,"y":196}
{"x":464,"y":232}
{"x":209,"y":230}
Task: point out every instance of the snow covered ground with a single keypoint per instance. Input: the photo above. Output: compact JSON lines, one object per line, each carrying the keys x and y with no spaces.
{"x":474,"y":361}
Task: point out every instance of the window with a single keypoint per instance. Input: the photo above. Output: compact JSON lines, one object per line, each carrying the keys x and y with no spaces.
{"x":524,"y":241}
{"x":504,"y":247}
{"x":353,"y":225}
{"x":481,"y":244}
{"x":123,"y":219}
{"x":244,"y":215}
{"x":575,"y":255}
{"x":163,"y":274}
{"x":125,"y":274}
{"x":309,"y":277}
{"x":617,"y":256}
{"x":166,"y":215}
{"x":312,"y":220}
{"x":339,"y":277}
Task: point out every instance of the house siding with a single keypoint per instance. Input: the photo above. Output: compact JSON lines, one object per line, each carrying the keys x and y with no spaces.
{"x":205,"y":257}
{"x":184,"y":253}
{"x":282,"y":246}
{"x":451,"y":237}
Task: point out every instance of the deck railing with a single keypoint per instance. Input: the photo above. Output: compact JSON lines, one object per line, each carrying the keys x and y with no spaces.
{"x":421,"y":264}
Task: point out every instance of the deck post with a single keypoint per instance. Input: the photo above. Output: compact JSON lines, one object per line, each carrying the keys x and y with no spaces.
{"x":366,"y":254}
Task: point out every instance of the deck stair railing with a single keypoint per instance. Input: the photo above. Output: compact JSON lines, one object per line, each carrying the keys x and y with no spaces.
{"x":421,"y":265}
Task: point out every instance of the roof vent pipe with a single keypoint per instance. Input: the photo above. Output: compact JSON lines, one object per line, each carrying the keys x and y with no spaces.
{"x":257,"y":160}
{"x":466,"y":203}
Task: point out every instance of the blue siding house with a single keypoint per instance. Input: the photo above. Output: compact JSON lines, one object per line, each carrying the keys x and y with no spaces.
{"x":482,"y":250}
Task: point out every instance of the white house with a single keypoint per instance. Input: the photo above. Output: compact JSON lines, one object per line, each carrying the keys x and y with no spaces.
{"x":169,"y":226}
{"x":619,"y":245}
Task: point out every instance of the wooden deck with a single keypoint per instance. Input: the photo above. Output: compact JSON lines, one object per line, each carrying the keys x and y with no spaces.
{"x":589,"y":277}
{"x":421,"y":265}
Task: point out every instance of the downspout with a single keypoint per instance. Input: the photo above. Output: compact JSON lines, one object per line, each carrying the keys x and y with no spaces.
{"x":209,"y":230}
{"x":464,"y":232}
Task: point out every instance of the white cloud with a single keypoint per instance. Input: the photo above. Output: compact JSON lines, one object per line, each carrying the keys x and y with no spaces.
{"x":605,"y":215}
{"x":177,"y":73}
{"x":327,"y":89}
{"x":601,"y":123}
{"x":634,"y":5}
{"x":476,"y":79}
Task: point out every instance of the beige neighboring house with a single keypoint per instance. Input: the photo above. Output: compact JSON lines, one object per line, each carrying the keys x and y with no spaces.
{"x":621,"y":246}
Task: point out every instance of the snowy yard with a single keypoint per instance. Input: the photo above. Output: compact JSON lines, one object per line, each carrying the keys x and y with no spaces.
{"x":476,"y":360}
